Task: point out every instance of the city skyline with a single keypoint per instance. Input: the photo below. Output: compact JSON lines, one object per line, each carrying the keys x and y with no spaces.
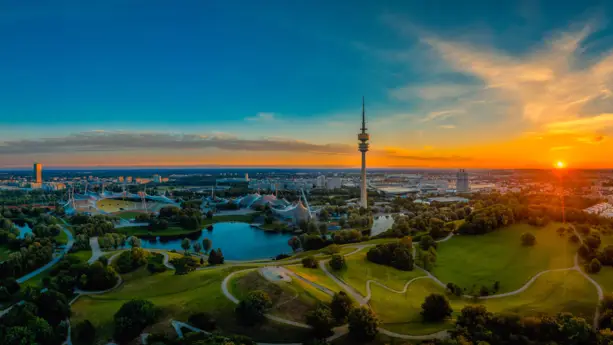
{"x":448,"y":85}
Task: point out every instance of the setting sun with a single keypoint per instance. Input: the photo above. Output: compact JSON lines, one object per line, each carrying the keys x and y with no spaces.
{"x":560,"y":165}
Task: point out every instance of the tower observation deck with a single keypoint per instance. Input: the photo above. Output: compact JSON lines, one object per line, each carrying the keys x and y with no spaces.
{"x":363,"y":139}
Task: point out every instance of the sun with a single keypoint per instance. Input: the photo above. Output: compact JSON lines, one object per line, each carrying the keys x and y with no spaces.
{"x":560,"y":165}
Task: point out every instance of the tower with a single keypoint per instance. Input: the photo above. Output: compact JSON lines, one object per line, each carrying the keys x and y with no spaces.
{"x":363,"y":138}
{"x":462,"y":185}
{"x":38,"y":173}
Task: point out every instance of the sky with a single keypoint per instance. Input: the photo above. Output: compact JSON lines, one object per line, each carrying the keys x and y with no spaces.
{"x":447,"y":84}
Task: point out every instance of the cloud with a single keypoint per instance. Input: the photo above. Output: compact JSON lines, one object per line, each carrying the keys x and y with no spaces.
{"x":425,"y":158}
{"x":121,"y":141}
{"x":441,"y":115}
{"x":594,"y":139}
{"x":262,"y":117}
{"x":447,"y":126}
{"x":585,"y":124}
{"x":552,"y":83}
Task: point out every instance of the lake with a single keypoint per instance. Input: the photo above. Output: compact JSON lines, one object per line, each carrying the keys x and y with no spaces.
{"x":23,"y":230}
{"x":238,"y":241}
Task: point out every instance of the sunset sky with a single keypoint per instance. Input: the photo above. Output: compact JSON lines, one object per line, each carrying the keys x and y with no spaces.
{"x":459,"y":84}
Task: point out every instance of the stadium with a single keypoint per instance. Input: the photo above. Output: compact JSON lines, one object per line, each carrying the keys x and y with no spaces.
{"x":116,"y":204}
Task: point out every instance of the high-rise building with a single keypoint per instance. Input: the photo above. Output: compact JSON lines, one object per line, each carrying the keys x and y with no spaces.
{"x":120,"y":179}
{"x":334,"y":182}
{"x":129,"y":179}
{"x":157,"y":178}
{"x":462,"y":185}
{"x":363,"y":137}
{"x":38,"y":172}
{"x":321,"y":181}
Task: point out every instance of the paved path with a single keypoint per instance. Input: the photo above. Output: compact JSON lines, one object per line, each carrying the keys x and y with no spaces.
{"x":54,"y":261}
{"x":96,"y":252}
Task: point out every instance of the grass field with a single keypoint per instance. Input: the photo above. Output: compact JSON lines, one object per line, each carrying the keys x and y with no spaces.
{"x":128,"y":214}
{"x":359,"y":270}
{"x":551,"y":293}
{"x":499,"y":256}
{"x":605,"y":276}
{"x":178,"y":296}
{"x":61,"y":238}
{"x":83,"y":255}
{"x":115,"y":205}
{"x":316,"y":275}
{"x":291,"y":300}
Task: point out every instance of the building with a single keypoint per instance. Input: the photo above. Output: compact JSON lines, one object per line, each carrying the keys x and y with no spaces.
{"x":38,"y":173}
{"x":321,"y":181}
{"x":462,"y":185}
{"x":157,"y":178}
{"x":334,"y":182}
{"x":129,"y":179}
{"x":363,"y":138}
{"x":120,"y":179}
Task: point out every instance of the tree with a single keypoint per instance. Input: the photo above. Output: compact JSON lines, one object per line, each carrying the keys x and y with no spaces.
{"x":197,"y":247}
{"x":85,"y":332}
{"x":186,"y":244}
{"x":209,"y":214}
{"x":340,"y":306}
{"x":437,"y":228}
{"x":134,"y":242}
{"x":207,"y":244}
{"x":426,"y":242}
{"x":132,"y":318}
{"x":321,"y":321}
{"x":363,"y":324}
{"x":407,"y":241}
{"x":323,"y":228}
{"x":592,"y":241}
{"x":294,"y":242}
{"x":528,"y":239}
{"x":309,"y":262}
{"x":251,"y":310}
{"x":436,"y":308}
{"x":594,"y":266}
{"x":337,"y":262}
{"x":202,"y":320}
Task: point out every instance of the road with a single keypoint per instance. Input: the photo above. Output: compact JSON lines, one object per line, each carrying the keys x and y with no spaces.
{"x":96,"y":252}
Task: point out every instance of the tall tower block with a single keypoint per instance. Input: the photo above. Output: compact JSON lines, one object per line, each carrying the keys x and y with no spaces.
{"x":363,"y":138}
{"x":38,"y":173}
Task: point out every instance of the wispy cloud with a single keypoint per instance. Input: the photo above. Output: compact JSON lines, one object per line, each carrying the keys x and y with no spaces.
{"x":420,"y":156}
{"x":120,"y":141}
{"x":441,"y":115}
{"x":431,"y":92}
{"x":585,"y":124}
{"x":447,"y":126}
{"x":262,"y":117}
{"x":560,"y":148}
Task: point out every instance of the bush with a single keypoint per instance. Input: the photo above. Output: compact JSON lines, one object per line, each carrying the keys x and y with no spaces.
{"x":132,"y":318}
{"x":396,"y":255}
{"x":131,"y":259}
{"x":309,"y":262}
{"x":594,"y":266}
{"x":321,"y":321}
{"x":337,"y":262}
{"x":251,"y":310}
{"x":528,"y":239}
{"x":85,"y":332}
{"x":184,"y":265}
{"x":204,"y":321}
{"x":332,"y":249}
{"x":425,"y":242}
{"x":436,"y":308}
{"x":340,"y":306}
{"x":573,"y":238}
{"x":216,"y":257}
{"x":363,"y":324}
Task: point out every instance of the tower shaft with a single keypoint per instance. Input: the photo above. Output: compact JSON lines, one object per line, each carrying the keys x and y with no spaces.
{"x":363,"y":138}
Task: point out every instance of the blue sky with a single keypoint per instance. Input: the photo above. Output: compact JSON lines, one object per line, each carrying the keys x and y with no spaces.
{"x":288,"y":71}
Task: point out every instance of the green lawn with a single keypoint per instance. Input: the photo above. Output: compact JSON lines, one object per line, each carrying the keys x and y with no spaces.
{"x":4,"y":252}
{"x":551,"y":293}
{"x":128,"y":214}
{"x":61,"y":238}
{"x":291,"y":300}
{"x":83,"y":255}
{"x":359,"y":270}
{"x":178,"y":296}
{"x":604,"y":278}
{"x":316,"y":275}
{"x":499,"y":256}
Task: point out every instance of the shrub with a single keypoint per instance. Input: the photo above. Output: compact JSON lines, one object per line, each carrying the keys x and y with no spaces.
{"x":594,"y":266}
{"x":204,"y":321}
{"x":436,"y":308}
{"x":251,"y":310}
{"x":363,"y":324}
{"x":131,"y":259}
{"x":528,"y":239}
{"x":396,"y":255}
{"x":340,"y":306}
{"x":132,"y":318}
{"x":321,"y":321}
{"x":425,"y":242}
{"x":85,"y":332}
{"x":573,"y":238}
{"x":309,"y":262}
{"x":184,"y":265}
{"x":332,"y":249}
{"x":337,"y":262}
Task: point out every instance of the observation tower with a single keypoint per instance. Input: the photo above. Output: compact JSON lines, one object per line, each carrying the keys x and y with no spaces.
{"x":363,"y":138}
